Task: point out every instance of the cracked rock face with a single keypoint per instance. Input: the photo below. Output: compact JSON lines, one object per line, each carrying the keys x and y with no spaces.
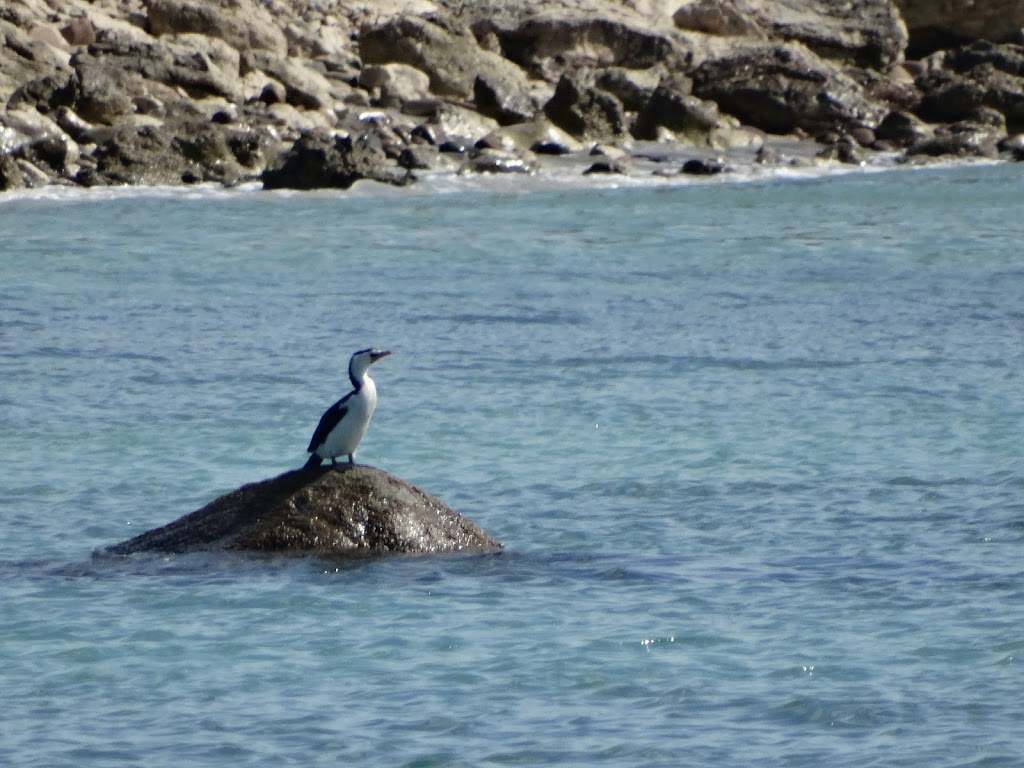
{"x":348,"y":511}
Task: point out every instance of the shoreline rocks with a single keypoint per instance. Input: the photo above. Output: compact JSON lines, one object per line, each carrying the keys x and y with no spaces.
{"x":343,"y":512}
{"x":306,"y":95}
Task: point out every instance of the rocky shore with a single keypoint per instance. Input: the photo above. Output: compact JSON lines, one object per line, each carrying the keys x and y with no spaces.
{"x":308,"y":94}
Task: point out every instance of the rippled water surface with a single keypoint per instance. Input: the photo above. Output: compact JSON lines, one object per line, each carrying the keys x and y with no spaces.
{"x":755,"y":452}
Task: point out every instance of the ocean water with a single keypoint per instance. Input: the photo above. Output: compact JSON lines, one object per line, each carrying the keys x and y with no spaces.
{"x":754,"y":450}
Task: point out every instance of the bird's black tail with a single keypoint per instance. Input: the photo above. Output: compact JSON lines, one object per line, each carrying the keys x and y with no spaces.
{"x":314,"y":461}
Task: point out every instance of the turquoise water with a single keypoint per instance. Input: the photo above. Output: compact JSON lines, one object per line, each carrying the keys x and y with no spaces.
{"x":754,"y":450}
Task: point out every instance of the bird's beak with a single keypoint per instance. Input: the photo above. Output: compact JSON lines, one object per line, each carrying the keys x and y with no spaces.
{"x":375,"y":356}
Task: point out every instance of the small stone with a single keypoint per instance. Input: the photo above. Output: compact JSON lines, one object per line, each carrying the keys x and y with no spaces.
{"x":605,"y":167}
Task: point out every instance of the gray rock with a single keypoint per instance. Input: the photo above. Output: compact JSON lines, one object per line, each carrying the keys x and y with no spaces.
{"x":23,"y":59}
{"x":679,"y":112}
{"x":105,"y":92}
{"x":79,"y":31}
{"x":499,"y":161}
{"x":344,"y":512}
{"x":960,"y":84}
{"x":47,"y":94}
{"x":445,"y":50}
{"x":54,"y":153}
{"x":933,"y":25}
{"x":584,"y":111}
{"x":948,"y":96}
{"x":964,"y":140}
{"x":995,"y":73}
{"x":1008,"y":58}
{"x":904,"y":129}
{"x":1014,"y":146}
{"x":705,"y":166}
{"x":551,"y":39}
{"x":242,"y":24}
{"x":501,"y":100}
{"x":864,"y":33}
{"x":780,"y":88}
{"x":392,"y":85}
{"x":303,"y":86}
{"x":843,"y":150}
{"x":634,"y":87}
{"x":183,"y":151}
{"x":606,"y":167}
{"x":11,"y":176}
{"x":731,"y":18}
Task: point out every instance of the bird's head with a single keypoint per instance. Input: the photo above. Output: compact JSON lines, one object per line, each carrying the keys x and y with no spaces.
{"x":362,"y":360}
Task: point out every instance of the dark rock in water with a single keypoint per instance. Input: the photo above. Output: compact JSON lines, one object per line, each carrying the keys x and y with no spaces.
{"x":550,"y":148}
{"x":348,"y":511}
{"x":704,"y":166}
{"x":606,"y":166}
{"x":319,"y":161}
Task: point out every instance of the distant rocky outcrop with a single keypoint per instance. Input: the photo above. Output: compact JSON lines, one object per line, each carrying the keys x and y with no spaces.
{"x":347,"y":511}
{"x":311,"y":94}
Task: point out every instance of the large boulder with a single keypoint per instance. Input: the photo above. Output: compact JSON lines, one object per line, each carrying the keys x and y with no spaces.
{"x":242,"y":24}
{"x":445,"y":50}
{"x":682,"y":113}
{"x":584,"y":111}
{"x":550,"y":38}
{"x":972,"y":77}
{"x":933,"y":25}
{"x":348,"y":511}
{"x":173,"y":152}
{"x":780,"y":88}
{"x":303,"y":86}
{"x":864,"y":33}
{"x":320,"y":160}
{"x":23,"y":59}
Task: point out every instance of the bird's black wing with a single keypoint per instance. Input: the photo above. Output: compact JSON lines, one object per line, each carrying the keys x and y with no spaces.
{"x":328,"y":421}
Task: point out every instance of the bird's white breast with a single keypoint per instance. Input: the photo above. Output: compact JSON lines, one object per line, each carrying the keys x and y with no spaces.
{"x":344,"y":438}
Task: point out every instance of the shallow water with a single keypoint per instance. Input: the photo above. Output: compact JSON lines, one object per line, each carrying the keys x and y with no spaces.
{"x":754,"y":451}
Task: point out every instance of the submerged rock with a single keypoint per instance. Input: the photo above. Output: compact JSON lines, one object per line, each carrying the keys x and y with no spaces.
{"x":347,"y":511}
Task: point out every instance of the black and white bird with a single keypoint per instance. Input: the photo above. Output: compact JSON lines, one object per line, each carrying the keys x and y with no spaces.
{"x":343,"y":424}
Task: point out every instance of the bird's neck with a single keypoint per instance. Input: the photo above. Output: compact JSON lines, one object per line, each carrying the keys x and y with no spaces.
{"x":362,"y":382}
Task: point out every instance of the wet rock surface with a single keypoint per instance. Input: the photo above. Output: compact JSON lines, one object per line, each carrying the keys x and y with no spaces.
{"x":344,"y":512}
{"x":307,"y":95}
